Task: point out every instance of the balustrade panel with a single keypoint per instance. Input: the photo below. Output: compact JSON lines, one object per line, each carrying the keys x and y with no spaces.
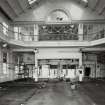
{"x":58,"y":32}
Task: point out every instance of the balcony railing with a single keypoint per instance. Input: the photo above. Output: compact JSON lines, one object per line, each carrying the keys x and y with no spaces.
{"x":58,"y":37}
{"x":10,"y":34}
{"x":95,"y":36}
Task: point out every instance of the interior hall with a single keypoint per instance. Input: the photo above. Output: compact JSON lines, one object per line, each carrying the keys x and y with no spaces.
{"x":52,"y":52}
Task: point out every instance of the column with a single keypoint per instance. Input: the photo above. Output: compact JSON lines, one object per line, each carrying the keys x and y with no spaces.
{"x":1,"y":61}
{"x":10,"y":65}
{"x":1,"y":64}
{"x":80,"y":59}
{"x":80,"y":70}
{"x":16,"y":32}
{"x":80,"y":32}
{"x":36,"y":32}
{"x":35,"y":72}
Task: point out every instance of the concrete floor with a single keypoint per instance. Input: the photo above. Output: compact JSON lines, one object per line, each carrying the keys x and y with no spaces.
{"x":60,"y":93}
{"x":94,"y":89}
{"x":15,"y":95}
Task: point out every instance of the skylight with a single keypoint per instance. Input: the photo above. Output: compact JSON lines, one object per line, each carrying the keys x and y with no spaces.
{"x":31,"y":1}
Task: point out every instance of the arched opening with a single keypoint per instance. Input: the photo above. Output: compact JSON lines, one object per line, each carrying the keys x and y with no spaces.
{"x":57,"y":16}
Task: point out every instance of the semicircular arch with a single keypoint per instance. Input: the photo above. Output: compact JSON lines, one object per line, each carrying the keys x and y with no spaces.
{"x":58,"y":15}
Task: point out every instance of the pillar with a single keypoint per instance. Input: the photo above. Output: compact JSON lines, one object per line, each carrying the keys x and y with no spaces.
{"x":35,"y":72}
{"x":16,"y":29}
{"x":1,"y":60}
{"x":1,"y":64}
{"x":10,"y":65}
{"x":19,"y":33}
{"x":80,"y":32}
{"x":1,"y":27}
{"x":36,"y":32}
{"x":80,"y":59}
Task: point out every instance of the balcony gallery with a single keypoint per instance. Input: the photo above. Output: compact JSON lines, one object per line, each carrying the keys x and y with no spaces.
{"x":53,"y":32}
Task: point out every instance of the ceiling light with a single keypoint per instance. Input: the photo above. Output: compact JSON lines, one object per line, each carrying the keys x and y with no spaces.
{"x":31,"y":1}
{"x":36,"y":50}
{"x":4,"y":45}
{"x":86,"y":1}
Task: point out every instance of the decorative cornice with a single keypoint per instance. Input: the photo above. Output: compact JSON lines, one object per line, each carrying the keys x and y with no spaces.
{"x":99,"y":21}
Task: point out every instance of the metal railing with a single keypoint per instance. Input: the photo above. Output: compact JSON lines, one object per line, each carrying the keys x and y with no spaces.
{"x":16,"y":35}
{"x":95,"y":36}
{"x":53,"y":37}
{"x":58,"y":37}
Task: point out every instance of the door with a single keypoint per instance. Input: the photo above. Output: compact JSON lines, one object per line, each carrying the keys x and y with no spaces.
{"x":53,"y":71}
{"x":45,"y":71}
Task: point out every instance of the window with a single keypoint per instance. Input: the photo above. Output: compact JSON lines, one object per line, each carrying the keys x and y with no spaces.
{"x":31,"y":1}
{"x":5,"y":28}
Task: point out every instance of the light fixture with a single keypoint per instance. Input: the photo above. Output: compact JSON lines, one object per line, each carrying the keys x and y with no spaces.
{"x":36,"y":50}
{"x":72,"y":25}
{"x":31,"y":1}
{"x":86,"y":1}
{"x":4,"y":45}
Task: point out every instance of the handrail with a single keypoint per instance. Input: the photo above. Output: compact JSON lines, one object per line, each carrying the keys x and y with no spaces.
{"x":51,"y":34}
{"x":94,"y":34}
{"x":29,"y":34}
{"x":37,"y":35}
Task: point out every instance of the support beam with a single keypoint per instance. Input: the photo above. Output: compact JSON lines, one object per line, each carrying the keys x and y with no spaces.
{"x":93,"y":49}
{"x":23,"y":4}
{"x":20,"y":6}
{"x":101,"y":6}
{"x":96,"y":4}
{"x":23,"y":50}
{"x":13,"y":4}
{"x":7,"y":9}
{"x":5,"y":14}
{"x":102,"y":11}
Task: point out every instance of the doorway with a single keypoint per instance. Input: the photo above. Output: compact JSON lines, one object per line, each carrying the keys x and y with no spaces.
{"x":87,"y":71}
{"x":58,"y":68}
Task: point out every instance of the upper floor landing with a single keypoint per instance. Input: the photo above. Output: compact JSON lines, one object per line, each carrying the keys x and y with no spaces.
{"x":68,"y":34}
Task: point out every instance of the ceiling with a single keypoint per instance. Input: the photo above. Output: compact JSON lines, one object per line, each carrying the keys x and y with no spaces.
{"x":14,"y":8}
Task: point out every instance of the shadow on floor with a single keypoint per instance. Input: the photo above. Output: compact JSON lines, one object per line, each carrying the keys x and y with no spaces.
{"x":95,"y":89}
